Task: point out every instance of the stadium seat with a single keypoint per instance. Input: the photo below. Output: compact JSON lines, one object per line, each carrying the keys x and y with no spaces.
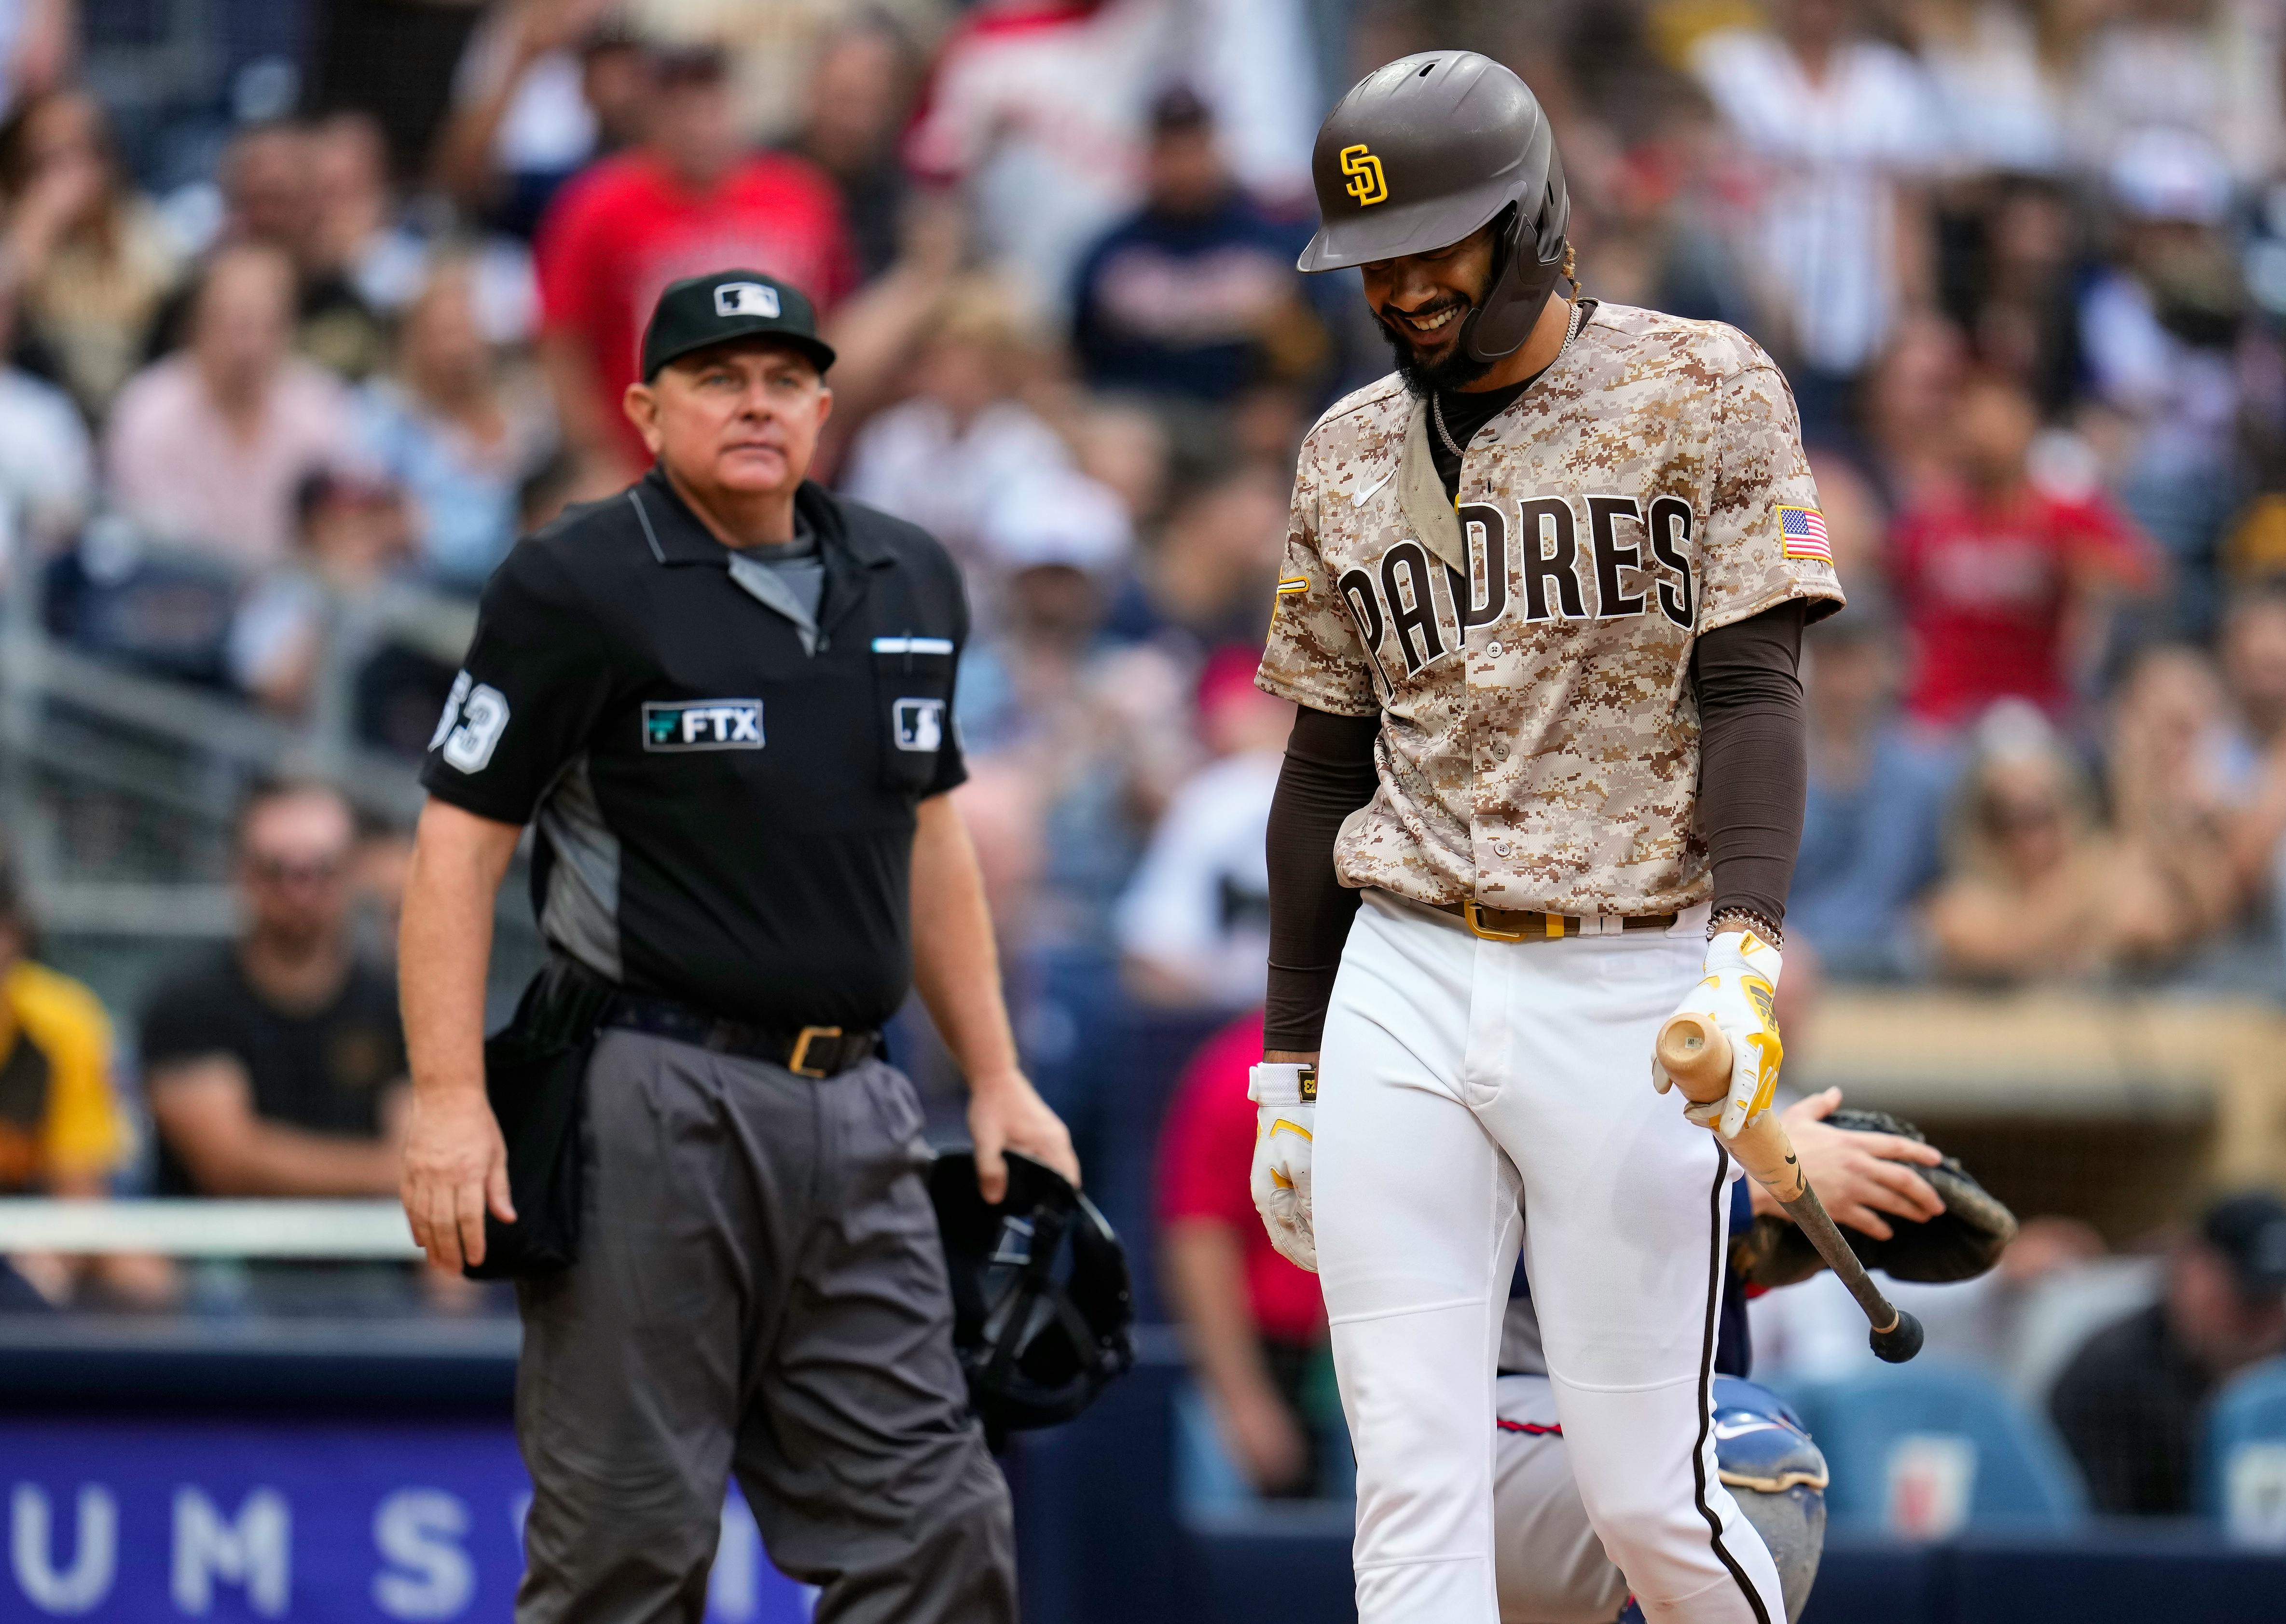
{"x":1924,"y":1450}
{"x":2243,"y":1467}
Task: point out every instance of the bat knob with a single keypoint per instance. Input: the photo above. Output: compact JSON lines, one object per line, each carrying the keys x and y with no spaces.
{"x":1697,"y":1056}
{"x":1900,"y":1342}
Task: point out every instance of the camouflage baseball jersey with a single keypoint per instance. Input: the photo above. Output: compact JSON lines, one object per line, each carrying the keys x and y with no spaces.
{"x":1528,"y":645}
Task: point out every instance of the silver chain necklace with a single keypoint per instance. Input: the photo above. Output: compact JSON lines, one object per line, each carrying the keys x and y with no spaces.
{"x":1437,"y":396}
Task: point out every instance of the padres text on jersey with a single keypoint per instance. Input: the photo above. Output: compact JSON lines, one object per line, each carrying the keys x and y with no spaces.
{"x":1530,"y":645}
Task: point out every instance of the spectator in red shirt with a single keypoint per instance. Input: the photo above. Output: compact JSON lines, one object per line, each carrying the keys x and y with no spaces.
{"x":1255,"y":1325}
{"x":2005,"y":582}
{"x":691,"y":198}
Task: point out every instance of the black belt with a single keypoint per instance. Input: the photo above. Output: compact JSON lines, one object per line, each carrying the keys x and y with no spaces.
{"x":812,"y":1052}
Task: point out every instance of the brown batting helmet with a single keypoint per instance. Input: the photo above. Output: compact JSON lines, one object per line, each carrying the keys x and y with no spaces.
{"x":1426,"y":150}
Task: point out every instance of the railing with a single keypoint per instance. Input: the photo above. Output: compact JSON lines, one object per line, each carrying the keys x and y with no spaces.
{"x":181,"y":754}
{"x":347,"y":1231}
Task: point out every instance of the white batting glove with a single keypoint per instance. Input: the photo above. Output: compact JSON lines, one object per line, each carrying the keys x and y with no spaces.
{"x":1740,"y":980}
{"x":1286,"y":1100}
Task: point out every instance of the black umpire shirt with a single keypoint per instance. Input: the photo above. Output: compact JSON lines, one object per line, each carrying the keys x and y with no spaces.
{"x":723,"y":785}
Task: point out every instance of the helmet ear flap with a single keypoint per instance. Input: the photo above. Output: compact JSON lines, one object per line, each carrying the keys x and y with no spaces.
{"x":1555,"y":209}
{"x":1520,"y":284}
{"x":1484,"y":331}
{"x":1528,"y":260}
{"x":1508,"y":241}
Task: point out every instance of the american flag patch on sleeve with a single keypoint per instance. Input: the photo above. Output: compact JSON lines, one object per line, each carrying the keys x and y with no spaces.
{"x":1801,"y":531}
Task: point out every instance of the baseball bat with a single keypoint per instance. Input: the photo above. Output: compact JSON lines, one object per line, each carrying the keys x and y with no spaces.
{"x":1696,"y":1054}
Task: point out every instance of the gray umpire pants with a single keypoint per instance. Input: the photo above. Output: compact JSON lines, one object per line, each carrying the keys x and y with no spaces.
{"x":760,"y":1289}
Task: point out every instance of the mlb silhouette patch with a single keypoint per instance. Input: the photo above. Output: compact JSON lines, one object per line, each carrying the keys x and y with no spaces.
{"x":745,"y":299}
{"x":920,"y":724}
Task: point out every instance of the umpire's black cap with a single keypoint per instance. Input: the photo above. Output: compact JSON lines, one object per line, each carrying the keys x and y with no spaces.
{"x":700,"y":311}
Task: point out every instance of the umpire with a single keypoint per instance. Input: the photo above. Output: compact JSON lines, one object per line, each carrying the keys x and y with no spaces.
{"x":722,"y":697}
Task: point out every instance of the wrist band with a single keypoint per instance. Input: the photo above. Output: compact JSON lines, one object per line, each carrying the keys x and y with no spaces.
{"x":1283,"y":1083}
{"x":1762,"y":924}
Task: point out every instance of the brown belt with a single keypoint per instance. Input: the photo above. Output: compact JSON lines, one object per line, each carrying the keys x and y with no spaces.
{"x":1514,"y":924}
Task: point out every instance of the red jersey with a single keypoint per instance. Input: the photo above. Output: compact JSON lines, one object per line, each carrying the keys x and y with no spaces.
{"x":1986,"y":589}
{"x":1205,"y":1153}
{"x":623,"y":229}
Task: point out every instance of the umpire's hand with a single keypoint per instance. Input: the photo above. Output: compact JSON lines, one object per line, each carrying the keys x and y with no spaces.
{"x":455,"y":1162}
{"x":1006,"y":1113}
{"x":455,"y":1166}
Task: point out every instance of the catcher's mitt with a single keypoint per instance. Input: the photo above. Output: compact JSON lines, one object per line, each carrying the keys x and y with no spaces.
{"x":1961,"y":1243}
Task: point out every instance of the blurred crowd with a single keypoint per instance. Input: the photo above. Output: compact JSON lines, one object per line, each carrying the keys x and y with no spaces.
{"x":2025,"y":263}
{"x":328,"y":345}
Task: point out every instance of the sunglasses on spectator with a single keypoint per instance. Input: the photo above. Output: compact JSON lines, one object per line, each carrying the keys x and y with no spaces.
{"x":284,"y":870}
{"x":2023,"y":817}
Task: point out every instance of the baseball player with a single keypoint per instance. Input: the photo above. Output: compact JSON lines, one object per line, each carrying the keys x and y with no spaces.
{"x":1552,"y":1568}
{"x":1916,"y":1214}
{"x":1541,"y":607}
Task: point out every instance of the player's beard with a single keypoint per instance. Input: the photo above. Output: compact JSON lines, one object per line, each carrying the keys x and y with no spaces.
{"x":1454,"y":371}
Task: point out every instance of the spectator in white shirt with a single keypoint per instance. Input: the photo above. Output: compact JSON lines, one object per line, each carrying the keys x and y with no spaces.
{"x":1998,"y":82}
{"x":2205,"y":66}
{"x":459,"y":429}
{"x":1041,"y":113}
{"x":1074,"y":741}
{"x":1841,"y":126}
{"x":47,"y":465}
{"x":1053,"y":549}
{"x":940,"y":458}
{"x":2161,"y":330}
{"x":207,"y":446}
{"x":1194,"y":924}
{"x":542,"y":87}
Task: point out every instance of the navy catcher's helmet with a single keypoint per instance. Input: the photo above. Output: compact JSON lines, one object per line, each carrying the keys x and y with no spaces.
{"x":1778,"y":1477}
{"x":1043,"y":1316}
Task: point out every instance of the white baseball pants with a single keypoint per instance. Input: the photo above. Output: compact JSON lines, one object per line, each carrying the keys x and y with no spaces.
{"x":1460,"y":1077}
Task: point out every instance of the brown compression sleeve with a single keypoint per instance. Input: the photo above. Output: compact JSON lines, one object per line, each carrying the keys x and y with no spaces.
{"x":1328,"y":774}
{"x":1753,"y":765}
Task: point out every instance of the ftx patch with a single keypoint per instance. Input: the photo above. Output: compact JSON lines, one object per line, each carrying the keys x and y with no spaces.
{"x":703,"y":724}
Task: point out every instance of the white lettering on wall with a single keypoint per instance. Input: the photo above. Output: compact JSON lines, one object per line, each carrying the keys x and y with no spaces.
{"x":419,"y":1532}
{"x":254,"y":1550}
{"x":82,"y":1587}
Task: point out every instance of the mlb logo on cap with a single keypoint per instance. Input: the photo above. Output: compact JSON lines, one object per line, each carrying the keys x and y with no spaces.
{"x":734,"y":301}
{"x":745,"y":299}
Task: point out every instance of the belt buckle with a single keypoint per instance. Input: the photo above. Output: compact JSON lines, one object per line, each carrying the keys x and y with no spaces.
{"x":1469,"y":917}
{"x":797,"y":1063}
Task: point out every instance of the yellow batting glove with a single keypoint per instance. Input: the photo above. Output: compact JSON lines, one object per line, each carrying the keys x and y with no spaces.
{"x":1740,"y":980}
{"x":1286,"y":1100}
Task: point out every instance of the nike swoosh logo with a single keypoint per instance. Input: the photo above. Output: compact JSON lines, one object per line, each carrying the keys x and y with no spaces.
{"x":1366,"y":495}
